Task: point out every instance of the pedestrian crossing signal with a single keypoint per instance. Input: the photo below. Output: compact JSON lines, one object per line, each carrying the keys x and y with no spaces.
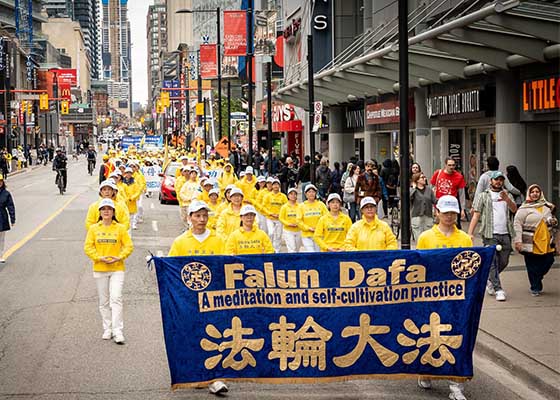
{"x":44,"y":102}
{"x":64,"y":107}
{"x":165,"y":99}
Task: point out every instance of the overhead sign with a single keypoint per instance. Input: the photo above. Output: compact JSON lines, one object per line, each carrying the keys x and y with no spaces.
{"x":387,"y":112}
{"x":235,"y":33}
{"x":67,"y":77}
{"x":285,"y":318}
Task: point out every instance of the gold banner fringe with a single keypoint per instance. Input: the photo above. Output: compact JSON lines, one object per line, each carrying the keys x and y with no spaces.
{"x":327,"y":379}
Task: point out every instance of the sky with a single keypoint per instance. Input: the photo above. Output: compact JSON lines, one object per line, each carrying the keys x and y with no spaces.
{"x":137,"y":12}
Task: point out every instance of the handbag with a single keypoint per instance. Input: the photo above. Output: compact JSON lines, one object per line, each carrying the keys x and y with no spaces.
{"x":349,"y":197}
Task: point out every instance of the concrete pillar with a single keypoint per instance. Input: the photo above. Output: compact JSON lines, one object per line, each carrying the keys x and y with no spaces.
{"x":341,"y":145}
{"x":423,"y":149}
{"x":511,"y":136}
{"x":368,"y":15}
{"x":369,"y":145}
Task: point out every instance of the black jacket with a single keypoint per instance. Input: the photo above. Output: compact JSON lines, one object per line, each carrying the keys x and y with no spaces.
{"x":6,"y":206}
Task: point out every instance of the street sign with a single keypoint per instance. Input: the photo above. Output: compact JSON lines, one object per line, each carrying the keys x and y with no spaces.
{"x":43,"y":101}
{"x":318,"y":107}
{"x":318,"y":113}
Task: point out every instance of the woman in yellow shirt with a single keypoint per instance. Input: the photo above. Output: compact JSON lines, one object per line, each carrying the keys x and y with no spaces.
{"x":132,"y":191}
{"x":271,"y":209}
{"x":108,"y":244}
{"x":248,"y":239}
{"x":229,"y":220}
{"x":288,"y":216}
{"x":332,"y":228}
{"x":308,"y":217}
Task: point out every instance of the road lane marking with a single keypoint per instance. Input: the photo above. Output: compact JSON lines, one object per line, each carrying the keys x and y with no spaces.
{"x":35,"y":231}
{"x":154,"y":226}
{"x":152,"y":205}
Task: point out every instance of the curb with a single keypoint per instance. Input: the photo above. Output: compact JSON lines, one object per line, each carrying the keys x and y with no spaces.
{"x":531,"y":372}
{"x":24,"y":170}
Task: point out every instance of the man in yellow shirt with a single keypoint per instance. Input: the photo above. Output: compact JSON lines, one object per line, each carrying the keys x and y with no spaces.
{"x":370,"y":233}
{"x":445,"y":234}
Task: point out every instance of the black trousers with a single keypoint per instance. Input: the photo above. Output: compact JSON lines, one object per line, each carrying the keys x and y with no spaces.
{"x":538,"y":266}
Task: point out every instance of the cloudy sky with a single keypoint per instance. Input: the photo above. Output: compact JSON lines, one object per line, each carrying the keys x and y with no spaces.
{"x":137,"y":12}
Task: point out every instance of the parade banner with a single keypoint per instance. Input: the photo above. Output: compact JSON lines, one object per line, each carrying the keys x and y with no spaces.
{"x":235,"y":33}
{"x":133,"y":140}
{"x":208,"y":61}
{"x":153,"y":180}
{"x":153,"y":141}
{"x":304,"y":318}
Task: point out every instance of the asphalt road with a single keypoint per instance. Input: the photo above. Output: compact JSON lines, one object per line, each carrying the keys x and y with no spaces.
{"x":50,"y":329}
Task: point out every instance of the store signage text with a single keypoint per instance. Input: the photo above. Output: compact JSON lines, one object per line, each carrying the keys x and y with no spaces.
{"x":541,"y":94}
{"x":453,"y":104}
{"x":386,"y":113}
{"x":355,"y":118}
{"x":284,"y":118}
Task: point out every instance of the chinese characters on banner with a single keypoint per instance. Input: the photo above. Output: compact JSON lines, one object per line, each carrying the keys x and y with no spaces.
{"x":288,"y":318}
{"x":235,"y":33}
{"x":208,"y":61}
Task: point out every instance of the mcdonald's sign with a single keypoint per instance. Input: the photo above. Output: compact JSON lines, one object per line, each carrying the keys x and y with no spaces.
{"x":65,"y":92}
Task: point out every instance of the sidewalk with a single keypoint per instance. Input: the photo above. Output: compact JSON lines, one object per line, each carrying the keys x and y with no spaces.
{"x":24,"y":170}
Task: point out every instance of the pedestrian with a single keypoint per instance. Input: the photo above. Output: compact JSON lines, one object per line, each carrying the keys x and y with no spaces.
{"x":309,"y":213}
{"x":247,"y":185}
{"x":345,"y":176}
{"x":332,"y":228}
{"x":3,"y":165}
{"x":368,"y":185}
{"x":370,"y":233}
{"x":415,"y":168}
{"x":445,"y":234}
{"x":492,"y":208}
{"x":271,"y":207}
{"x":512,"y":173}
{"x":108,"y":190}
{"x":382,"y":211}
{"x":323,"y":179}
{"x":248,"y":239}
{"x":448,"y":181}
{"x":7,"y":215}
{"x":304,"y":175}
{"x":108,"y":244}
{"x":229,"y":219}
{"x":484,"y":181}
{"x":264,"y":188}
{"x":336,"y":177}
{"x":536,"y":236}
{"x":132,"y":191}
{"x":422,"y":201}
{"x":288,"y":216}
{"x":288,"y":175}
{"x":390,"y":175}
{"x":349,"y":193}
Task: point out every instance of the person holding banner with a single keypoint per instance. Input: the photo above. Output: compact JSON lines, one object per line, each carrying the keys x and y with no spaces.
{"x":108,"y":244}
{"x":229,"y":220}
{"x":310,"y":211}
{"x":271,"y":207}
{"x":288,"y":216}
{"x":248,"y":239}
{"x":445,"y":234}
{"x":332,"y":228}
{"x":370,"y":233}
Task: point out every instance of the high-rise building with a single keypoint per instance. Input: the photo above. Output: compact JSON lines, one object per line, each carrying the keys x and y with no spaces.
{"x":116,"y":50}
{"x":59,"y":8}
{"x":156,"y":29}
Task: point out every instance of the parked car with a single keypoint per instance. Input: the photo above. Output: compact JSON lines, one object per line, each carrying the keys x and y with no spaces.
{"x":167,"y":192}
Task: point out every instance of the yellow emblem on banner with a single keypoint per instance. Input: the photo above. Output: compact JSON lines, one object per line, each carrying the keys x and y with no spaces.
{"x":466,"y":264}
{"x":196,"y":276}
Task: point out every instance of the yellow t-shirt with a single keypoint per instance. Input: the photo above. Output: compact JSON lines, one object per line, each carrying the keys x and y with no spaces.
{"x":435,"y":239}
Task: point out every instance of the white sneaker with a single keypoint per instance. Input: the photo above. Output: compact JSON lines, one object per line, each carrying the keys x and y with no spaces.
{"x":217,"y":387}
{"x":119,"y":338}
{"x":457,"y":395}
{"x":425,"y":383}
{"x":490,"y":289}
{"x":500,"y":295}
{"x":134,"y":227}
{"x":2,"y":261}
{"x":107,"y":335}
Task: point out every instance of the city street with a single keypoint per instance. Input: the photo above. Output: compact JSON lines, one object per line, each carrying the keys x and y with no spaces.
{"x":50,"y":328}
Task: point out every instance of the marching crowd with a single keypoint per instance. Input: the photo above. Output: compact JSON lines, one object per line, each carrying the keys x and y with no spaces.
{"x":245,"y":211}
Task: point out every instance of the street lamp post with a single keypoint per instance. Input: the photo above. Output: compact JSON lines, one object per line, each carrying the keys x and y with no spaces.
{"x":311,"y":100}
{"x":249,"y":66}
{"x":229,"y":116}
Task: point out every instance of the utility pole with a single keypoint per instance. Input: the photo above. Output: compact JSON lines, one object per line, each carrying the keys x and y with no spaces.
{"x":219,"y":50}
{"x":249,"y":67}
{"x":311,"y":101}
{"x":229,"y":116}
{"x":269,"y":113}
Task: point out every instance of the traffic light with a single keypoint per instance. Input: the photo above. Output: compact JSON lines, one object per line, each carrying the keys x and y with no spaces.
{"x":29,"y":108}
{"x":44,"y":102}
{"x":23,"y":106}
{"x":159,"y":107}
{"x":64,"y":107}
{"x":165,"y":98}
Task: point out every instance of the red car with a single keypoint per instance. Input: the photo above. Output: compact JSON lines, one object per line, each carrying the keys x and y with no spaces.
{"x":167,"y":192}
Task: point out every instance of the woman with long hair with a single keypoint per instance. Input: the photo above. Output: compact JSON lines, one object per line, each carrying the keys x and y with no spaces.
{"x":7,"y":215}
{"x":518,"y":182}
{"x":348,"y":193}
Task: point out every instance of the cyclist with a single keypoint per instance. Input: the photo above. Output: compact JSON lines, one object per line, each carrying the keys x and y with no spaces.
{"x":59,"y":165}
{"x":91,"y":157}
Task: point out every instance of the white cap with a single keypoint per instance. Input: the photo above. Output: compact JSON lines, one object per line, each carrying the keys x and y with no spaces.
{"x":106,"y":202}
{"x":185,"y":168}
{"x":293,"y":189}
{"x":367,"y":200}
{"x":203,"y":179}
{"x":197,"y":205}
{"x":128,"y":169}
{"x":235,"y":190}
{"x":311,"y":186}
{"x":276,"y":180}
{"x":448,"y":203}
{"x":249,"y":170}
{"x":242,"y":174}
{"x":214,"y":191}
{"x":209,"y":181}
{"x":247,"y":209}
{"x":109,"y":183}
{"x":261,"y":179}
{"x":229,"y":187}
{"x":184,"y":158}
{"x":333,"y":196}
{"x":270,"y":179}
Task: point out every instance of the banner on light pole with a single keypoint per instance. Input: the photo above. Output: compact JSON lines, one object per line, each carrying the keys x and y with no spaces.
{"x":235,"y":33}
{"x":265,"y":32}
{"x":208,"y":61}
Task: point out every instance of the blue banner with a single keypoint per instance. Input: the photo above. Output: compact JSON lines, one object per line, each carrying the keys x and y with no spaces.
{"x":128,"y":141}
{"x":301,"y":318}
{"x":153,"y":141}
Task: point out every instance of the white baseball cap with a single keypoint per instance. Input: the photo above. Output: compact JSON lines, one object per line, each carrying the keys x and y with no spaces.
{"x":235,"y":190}
{"x":109,"y":183}
{"x":275,"y":180}
{"x":333,"y":196}
{"x":311,"y":186}
{"x":292,"y":190}
{"x":270,"y":179}
{"x":105,"y":203}
{"x":249,"y":170}
{"x":209,"y":181}
{"x":214,"y":191}
{"x":128,"y":169}
{"x":242,"y":174}
{"x":185,"y":168}
{"x":367,"y":200}
{"x":261,"y":179}
{"x":197,"y":205}
{"x":229,"y":187}
{"x":448,"y":203}
{"x":247,"y":209}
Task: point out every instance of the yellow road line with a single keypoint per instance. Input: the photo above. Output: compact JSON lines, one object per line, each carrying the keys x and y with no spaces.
{"x":35,"y":231}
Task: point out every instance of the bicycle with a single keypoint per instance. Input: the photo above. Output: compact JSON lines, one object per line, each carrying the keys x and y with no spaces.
{"x":91,"y":166}
{"x":394,"y":215}
{"x":60,"y":181}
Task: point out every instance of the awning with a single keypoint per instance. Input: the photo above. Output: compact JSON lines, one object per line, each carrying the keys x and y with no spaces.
{"x":460,"y":44}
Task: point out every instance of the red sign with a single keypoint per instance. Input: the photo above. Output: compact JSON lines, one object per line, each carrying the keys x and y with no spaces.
{"x":235,"y":33}
{"x":284,"y":118}
{"x":386,"y":113}
{"x":68,"y":77}
{"x":541,"y":94}
{"x":295,"y":144}
{"x":208,"y":61}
